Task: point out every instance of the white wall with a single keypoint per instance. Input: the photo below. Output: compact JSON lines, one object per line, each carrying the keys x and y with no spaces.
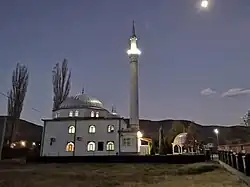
{"x":83,"y":112}
{"x":134,"y":143}
{"x":101,"y":135}
{"x":59,"y":131}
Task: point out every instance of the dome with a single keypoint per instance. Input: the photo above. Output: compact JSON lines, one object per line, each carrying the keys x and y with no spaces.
{"x":81,"y":101}
{"x":180,"y":139}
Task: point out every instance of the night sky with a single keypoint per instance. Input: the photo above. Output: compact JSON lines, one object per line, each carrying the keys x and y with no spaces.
{"x":194,"y":64}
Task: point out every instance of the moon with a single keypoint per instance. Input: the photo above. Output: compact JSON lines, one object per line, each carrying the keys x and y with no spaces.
{"x":204,"y":3}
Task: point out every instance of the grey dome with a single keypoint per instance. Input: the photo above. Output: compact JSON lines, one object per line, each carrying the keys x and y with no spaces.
{"x":81,"y":101}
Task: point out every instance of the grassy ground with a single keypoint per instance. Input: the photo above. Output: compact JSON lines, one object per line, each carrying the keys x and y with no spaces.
{"x":110,"y":175}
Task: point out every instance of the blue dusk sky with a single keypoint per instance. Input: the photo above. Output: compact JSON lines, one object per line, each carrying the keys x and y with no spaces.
{"x":194,"y":65}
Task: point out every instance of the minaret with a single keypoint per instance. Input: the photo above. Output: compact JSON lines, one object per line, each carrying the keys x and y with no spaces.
{"x":133,"y":54}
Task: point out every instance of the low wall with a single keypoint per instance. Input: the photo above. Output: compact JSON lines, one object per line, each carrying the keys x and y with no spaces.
{"x":239,"y":161}
{"x":170,"y":159}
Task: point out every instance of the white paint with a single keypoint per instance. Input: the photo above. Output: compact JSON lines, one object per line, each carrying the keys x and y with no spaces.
{"x":59,"y":130}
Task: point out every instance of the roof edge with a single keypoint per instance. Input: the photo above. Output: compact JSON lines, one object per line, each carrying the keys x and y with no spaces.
{"x":83,"y":118}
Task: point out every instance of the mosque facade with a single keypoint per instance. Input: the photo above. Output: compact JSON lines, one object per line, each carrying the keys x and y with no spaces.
{"x":82,"y":126}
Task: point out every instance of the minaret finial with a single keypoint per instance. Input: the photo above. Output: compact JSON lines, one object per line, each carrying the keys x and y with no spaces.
{"x":133,"y":29}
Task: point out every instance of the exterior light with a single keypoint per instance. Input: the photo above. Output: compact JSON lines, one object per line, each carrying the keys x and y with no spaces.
{"x":139,"y":134}
{"x":23,"y":143}
{"x":133,"y":47}
{"x":12,"y":145}
{"x":34,"y":143}
{"x":216,"y":131}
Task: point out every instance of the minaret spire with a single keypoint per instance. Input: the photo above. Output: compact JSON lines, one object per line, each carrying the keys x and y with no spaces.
{"x":82,"y":90}
{"x":133,"y":30}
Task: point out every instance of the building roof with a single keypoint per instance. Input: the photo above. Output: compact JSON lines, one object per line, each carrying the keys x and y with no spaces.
{"x":180,"y":139}
{"x":84,"y":118}
{"x":81,"y":101}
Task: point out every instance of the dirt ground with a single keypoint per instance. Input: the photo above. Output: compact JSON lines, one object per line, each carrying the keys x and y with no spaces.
{"x":123,"y":175}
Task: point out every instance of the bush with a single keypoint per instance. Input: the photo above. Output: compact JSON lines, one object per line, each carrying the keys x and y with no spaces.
{"x":198,"y":168}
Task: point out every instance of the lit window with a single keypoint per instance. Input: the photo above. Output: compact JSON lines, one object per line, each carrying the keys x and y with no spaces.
{"x":70,"y":147}
{"x":126,"y":141}
{"x":76,"y":113}
{"x":110,"y":146}
{"x":92,"y":114}
{"x":97,"y":114}
{"x":111,"y":128}
{"x":91,"y":146}
{"x":91,"y":129}
{"x":71,"y":114}
{"x":72,"y":129}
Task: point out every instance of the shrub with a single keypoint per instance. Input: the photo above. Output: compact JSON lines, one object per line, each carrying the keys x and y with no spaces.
{"x":197,"y":168}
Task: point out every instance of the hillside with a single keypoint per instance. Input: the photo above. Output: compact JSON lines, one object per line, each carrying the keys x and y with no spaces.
{"x":227,"y":135}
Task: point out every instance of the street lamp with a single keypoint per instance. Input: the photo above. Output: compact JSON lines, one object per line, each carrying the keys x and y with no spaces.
{"x":216,"y":131}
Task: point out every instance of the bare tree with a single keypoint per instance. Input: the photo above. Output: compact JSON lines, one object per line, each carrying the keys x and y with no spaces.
{"x":16,"y":95}
{"x":192,"y":138}
{"x":61,"y":83}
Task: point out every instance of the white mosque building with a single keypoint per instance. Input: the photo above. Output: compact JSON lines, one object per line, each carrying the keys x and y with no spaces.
{"x":82,"y":126}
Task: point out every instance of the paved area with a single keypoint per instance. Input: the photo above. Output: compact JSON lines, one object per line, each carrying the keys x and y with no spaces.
{"x":241,"y":175}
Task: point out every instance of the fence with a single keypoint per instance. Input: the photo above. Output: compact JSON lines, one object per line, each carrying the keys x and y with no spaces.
{"x":239,"y":161}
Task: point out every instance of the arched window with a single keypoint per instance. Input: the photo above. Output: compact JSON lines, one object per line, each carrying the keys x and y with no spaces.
{"x":72,"y":129}
{"x":92,"y":114}
{"x":76,"y":113}
{"x":111,"y":128}
{"x":91,"y":146}
{"x":71,"y":114}
{"x":110,"y":146}
{"x":91,"y":129}
{"x":97,"y":114}
{"x":70,"y":147}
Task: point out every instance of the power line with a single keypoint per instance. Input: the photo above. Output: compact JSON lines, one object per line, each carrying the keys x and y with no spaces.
{"x":32,"y":108}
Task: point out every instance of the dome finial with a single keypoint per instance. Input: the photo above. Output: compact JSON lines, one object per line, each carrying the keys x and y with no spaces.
{"x":113,"y":110}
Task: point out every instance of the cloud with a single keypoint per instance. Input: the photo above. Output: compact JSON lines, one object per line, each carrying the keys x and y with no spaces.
{"x":235,"y":92}
{"x":208,"y":91}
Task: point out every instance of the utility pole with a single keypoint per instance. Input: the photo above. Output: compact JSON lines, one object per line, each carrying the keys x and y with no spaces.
{"x":3,"y":137}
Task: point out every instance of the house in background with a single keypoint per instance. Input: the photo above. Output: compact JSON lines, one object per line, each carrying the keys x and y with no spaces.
{"x":27,"y":134}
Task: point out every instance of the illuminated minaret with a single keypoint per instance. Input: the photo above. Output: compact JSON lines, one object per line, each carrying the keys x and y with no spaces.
{"x":134,"y":53}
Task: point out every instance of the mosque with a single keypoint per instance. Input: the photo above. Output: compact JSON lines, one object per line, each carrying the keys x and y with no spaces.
{"x":82,"y":126}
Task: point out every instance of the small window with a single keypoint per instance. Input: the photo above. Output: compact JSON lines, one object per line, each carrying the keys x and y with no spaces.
{"x":76,"y":113}
{"x":70,"y":147}
{"x":72,"y":129}
{"x":91,"y":129}
{"x":100,"y":146}
{"x":111,"y":128}
{"x":110,"y":146}
{"x":91,"y":146}
{"x":71,"y":114}
{"x":92,"y":114}
{"x":97,"y":114}
{"x":126,"y":141}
